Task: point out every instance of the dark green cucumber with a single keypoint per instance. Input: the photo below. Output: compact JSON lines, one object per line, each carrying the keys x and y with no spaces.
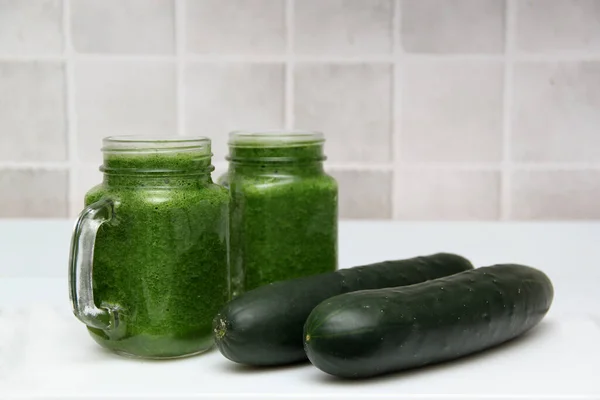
{"x":264,"y":326}
{"x":373,"y":332}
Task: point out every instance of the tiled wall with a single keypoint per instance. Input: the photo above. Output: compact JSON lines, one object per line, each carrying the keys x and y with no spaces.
{"x":433,"y":109}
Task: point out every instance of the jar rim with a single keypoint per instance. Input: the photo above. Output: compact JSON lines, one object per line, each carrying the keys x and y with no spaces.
{"x":155,"y":143}
{"x":275,"y":138}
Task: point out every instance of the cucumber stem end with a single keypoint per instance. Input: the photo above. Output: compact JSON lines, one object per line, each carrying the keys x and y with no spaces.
{"x":221,"y":328}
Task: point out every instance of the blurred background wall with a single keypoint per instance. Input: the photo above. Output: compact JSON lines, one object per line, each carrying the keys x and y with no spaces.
{"x":432,"y":109}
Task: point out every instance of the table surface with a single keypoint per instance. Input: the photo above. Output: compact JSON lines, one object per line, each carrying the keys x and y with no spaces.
{"x":46,"y":353}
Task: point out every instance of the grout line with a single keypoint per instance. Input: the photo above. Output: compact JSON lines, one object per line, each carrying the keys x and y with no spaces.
{"x":396,"y":108}
{"x":50,"y":165}
{"x":279,"y":58}
{"x":71,"y":112}
{"x":552,"y":57}
{"x":289,"y":54}
{"x":180,"y":54}
{"x":406,"y":165}
{"x":24,"y":58}
{"x":505,"y":177}
{"x":125,"y":57}
{"x":359,"y":167}
{"x":289,"y":66}
{"x":454,"y":57}
{"x":566,"y":166}
{"x":283,"y":58}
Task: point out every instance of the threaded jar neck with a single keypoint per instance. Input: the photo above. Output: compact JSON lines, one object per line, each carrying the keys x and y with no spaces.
{"x":282,"y":147}
{"x":156,"y":156}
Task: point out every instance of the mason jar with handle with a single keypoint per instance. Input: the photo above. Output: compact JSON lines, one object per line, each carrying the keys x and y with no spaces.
{"x":149,"y":255}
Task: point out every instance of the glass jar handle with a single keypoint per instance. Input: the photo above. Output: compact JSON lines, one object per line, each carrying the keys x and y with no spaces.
{"x":81,"y":267}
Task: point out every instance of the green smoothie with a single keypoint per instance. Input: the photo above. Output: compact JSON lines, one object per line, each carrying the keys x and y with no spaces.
{"x":283,"y":212}
{"x":162,"y":260}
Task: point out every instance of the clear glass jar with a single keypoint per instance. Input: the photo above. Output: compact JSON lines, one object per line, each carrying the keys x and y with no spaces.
{"x":149,"y":258}
{"x":283,"y":212}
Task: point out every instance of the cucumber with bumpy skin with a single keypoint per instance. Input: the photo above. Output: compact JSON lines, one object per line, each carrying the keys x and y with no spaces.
{"x":263,"y":327}
{"x":373,"y":332}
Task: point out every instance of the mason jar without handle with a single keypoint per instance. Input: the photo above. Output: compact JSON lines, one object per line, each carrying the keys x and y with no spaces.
{"x":283,"y":211}
{"x":149,"y":255}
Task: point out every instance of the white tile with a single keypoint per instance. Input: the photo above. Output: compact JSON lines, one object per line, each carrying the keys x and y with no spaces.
{"x":556,"y":112}
{"x":123,"y":26}
{"x":122,"y":98}
{"x":32,"y":112}
{"x":364,"y":194}
{"x":558,"y":25}
{"x":452,"y":111}
{"x":235,"y":26}
{"x":351,"y":104}
{"x":452,"y":26}
{"x":343,"y":26}
{"x":555,"y":195}
{"x":31,"y":27}
{"x":32,"y":193}
{"x":86,"y":176}
{"x":220,"y":98}
{"x":444,"y":194}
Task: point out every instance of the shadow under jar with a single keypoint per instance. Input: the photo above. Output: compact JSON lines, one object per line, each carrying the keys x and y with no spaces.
{"x":283,"y":212}
{"x":149,"y":258}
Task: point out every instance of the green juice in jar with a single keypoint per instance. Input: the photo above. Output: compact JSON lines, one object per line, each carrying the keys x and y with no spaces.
{"x":160,"y":260}
{"x":283,"y":212}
